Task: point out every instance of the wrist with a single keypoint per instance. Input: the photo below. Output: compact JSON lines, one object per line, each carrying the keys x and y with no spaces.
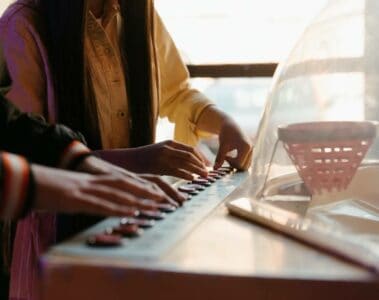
{"x":91,"y":165}
{"x":227,"y":121}
{"x":16,"y":186}
{"x":73,"y":155}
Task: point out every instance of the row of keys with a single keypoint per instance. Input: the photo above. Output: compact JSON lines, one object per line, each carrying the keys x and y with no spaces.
{"x":134,"y":227}
{"x":199,"y":184}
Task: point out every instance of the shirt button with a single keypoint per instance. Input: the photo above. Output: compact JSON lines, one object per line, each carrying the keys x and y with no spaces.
{"x":121,"y":114}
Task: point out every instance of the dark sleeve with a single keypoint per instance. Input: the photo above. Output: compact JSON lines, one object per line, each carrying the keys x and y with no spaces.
{"x":30,"y":136}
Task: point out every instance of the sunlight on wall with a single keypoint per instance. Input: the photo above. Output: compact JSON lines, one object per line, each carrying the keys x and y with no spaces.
{"x":4,"y":4}
{"x":232,"y":31}
{"x":220,"y":31}
{"x":229,"y":31}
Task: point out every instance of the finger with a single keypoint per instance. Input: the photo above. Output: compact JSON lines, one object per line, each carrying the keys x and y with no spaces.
{"x":158,"y":188}
{"x":159,"y":206}
{"x":221,"y":155}
{"x":176,"y":163}
{"x":206,"y":161}
{"x":133,"y":187}
{"x":98,"y":206}
{"x":173,"y":194}
{"x":245,"y":159}
{"x":180,"y":173}
{"x":247,"y":163}
{"x":123,"y":172}
{"x":189,"y":169}
{"x":190,"y":149}
{"x":240,"y":164}
{"x":120,"y":197}
{"x":135,"y":177}
{"x":193,"y":169}
{"x":165,"y":198}
{"x":161,"y":185}
{"x":183,"y":155}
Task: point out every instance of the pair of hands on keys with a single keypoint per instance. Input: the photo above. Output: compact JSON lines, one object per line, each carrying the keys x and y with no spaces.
{"x":108,"y":188}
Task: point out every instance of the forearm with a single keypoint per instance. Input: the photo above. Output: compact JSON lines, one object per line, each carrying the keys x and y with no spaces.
{"x":212,"y":119}
{"x":124,"y":158}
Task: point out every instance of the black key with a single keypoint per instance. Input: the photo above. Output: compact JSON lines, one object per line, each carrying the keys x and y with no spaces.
{"x":218,"y":172}
{"x":167,"y":208}
{"x":104,"y":240}
{"x":210,"y":179}
{"x":215,"y":176}
{"x":226,"y":169}
{"x":201,"y":181}
{"x":187,"y":196}
{"x":188,"y":189}
{"x":197,"y":187}
{"x":151,"y":215}
{"x":142,"y":223}
{"x":126,"y":230}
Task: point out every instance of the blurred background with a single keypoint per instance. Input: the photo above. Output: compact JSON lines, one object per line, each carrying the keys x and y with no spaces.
{"x":232,"y":48}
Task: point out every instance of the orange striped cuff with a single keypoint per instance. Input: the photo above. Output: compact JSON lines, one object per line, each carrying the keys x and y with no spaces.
{"x":15,"y":186}
{"x":72,"y":153}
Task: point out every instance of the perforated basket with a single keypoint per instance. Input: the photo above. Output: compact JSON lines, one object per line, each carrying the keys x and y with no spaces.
{"x":327,"y":154}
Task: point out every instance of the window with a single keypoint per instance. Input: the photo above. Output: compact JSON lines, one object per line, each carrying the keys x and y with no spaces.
{"x":215,"y":32}
{"x":233,"y":32}
{"x":4,"y":4}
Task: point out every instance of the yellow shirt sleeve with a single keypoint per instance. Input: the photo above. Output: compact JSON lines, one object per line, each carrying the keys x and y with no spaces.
{"x":180,"y":103}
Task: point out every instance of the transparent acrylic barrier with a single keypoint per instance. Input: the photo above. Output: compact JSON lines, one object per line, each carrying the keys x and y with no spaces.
{"x":330,"y":77}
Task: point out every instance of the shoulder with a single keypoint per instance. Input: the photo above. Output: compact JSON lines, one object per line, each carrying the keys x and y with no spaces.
{"x":19,"y":18}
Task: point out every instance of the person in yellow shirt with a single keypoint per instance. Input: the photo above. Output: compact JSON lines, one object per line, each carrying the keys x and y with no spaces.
{"x":109,"y":68}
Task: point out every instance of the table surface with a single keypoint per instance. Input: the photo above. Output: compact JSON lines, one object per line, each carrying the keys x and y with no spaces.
{"x":226,"y":246}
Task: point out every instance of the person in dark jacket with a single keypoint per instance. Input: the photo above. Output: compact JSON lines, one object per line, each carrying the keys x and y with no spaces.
{"x":32,"y":141}
{"x":30,"y":148}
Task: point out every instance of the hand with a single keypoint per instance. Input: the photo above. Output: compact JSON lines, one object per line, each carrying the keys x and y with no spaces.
{"x":70,"y":192}
{"x":232,"y":138}
{"x":149,"y":186}
{"x":165,"y":158}
{"x":172,"y":158}
{"x":167,"y":188}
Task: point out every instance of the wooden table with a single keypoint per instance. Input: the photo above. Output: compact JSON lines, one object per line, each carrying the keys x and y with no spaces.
{"x":223,"y":258}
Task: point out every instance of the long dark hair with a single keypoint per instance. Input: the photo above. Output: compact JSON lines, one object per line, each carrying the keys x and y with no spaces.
{"x":62,"y":26}
{"x":64,"y":29}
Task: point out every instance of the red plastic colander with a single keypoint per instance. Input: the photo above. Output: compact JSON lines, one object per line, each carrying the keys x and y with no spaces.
{"x":327,"y":154}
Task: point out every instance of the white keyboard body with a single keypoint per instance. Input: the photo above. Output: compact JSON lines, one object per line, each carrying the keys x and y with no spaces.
{"x":164,"y":235}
